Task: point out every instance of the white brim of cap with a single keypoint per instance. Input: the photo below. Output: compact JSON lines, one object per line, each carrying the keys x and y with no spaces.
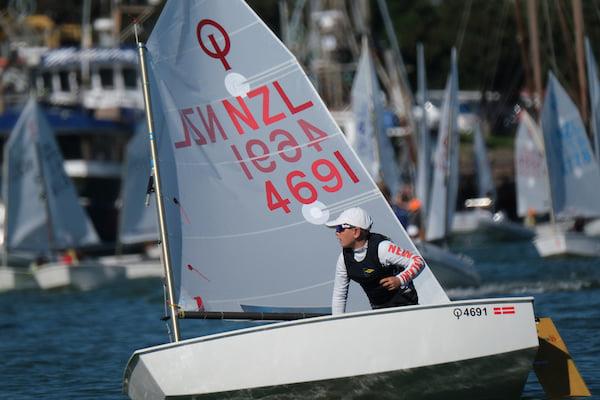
{"x":333,"y":224}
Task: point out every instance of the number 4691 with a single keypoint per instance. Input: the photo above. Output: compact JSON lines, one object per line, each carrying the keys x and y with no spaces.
{"x":305,"y":192}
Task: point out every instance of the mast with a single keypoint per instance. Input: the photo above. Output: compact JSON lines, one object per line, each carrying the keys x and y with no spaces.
{"x":5,"y":187}
{"x":164,"y":238}
{"x":578,"y":20}
{"x":534,"y":48}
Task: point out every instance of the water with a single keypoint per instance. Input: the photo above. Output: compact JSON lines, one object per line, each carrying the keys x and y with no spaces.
{"x":68,"y":344}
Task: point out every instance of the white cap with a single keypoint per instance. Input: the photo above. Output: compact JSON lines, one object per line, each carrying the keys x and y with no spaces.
{"x":354,"y":216}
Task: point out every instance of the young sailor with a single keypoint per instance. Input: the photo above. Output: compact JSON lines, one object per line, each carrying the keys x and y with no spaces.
{"x":384,"y":270}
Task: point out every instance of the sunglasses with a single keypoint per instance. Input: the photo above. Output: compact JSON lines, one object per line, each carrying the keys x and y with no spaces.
{"x":342,"y":227}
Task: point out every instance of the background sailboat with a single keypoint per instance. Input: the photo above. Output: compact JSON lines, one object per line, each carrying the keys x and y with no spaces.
{"x":531,"y":173}
{"x":451,"y":269}
{"x":43,"y":212}
{"x":137,"y":220}
{"x":247,"y":190}
{"x":574,"y":175}
{"x":592,"y":228}
{"x":495,"y":225}
{"x":372,"y":145}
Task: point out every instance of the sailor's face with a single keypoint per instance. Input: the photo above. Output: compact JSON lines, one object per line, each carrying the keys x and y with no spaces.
{"x":347,"y":236}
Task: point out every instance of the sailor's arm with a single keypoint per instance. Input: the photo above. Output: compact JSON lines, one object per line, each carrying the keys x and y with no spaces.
{"x":340,"y":287}
{"x":390,"y":254}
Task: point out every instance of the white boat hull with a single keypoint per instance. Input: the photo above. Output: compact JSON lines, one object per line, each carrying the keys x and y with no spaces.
{"x":469,"y":221}
{"x":82,"y":276}
{"x":592,"y":228}
{"x":12,"y":278}
{"x":450,"y":269}
{"x":500,"y":227}
{"x":136,"y":266}
{"x":559,"y":243}
{"x":414,"y":350}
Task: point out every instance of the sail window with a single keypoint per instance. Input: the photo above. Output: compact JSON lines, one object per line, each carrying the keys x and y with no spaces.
{"x":130,"y":78}
{"x":107,"y":79}
{"x":47,"y":80}
{"x":64,"y":81}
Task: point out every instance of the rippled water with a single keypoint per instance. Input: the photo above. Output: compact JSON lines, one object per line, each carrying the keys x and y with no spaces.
{"x":69,"y":344}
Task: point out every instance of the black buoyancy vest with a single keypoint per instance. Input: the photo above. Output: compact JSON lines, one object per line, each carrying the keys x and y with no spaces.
{"x":369,"y":271}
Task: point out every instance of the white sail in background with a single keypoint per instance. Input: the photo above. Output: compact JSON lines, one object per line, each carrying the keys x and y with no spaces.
{"x":42,"y":206}
{"x":252,"y":166}
{"x":373,"y":146}
{"x":531,"y":172}
{"x":572,"y":168}
{"x":137,"y":221}
{"x":445,"y":168}
{"x":485,"y":180}
{"x":424,"y":152}
{"x":594,"y":90}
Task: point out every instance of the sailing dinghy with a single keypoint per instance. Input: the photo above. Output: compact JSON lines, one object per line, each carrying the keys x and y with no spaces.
{"x":137,"y":219}
{"x":574,"y":177}
{"x":249,"y":166}
{"x":43,"y":212}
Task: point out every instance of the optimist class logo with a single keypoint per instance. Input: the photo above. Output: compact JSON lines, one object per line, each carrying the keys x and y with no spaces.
{"x":215,"y":51}
{"x":504,"y":310}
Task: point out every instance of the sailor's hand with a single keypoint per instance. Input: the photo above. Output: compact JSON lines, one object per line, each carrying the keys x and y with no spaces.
{"x":390,"y":283}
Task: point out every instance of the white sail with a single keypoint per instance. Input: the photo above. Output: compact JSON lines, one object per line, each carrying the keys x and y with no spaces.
{"x":43,"y":208}
{"x":424,"y":152}
{"x":372,"y":145}
{"x":572,"y":168}
{"x":445,"y":168}
{"x":137,"y":221}
{"x":485,"y":180}
{"x":252,"y":166}
{"x":531,"y":172}
{"x":594,"y":90}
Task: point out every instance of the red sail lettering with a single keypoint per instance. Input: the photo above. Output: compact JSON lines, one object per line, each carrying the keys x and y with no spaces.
{"x":267,"y":119}
{"x":186,"y":132}
{"x":293,"y":109}
{"x":245,"y":115}
{"x":212,"y":121}
{"x":188,"y":124}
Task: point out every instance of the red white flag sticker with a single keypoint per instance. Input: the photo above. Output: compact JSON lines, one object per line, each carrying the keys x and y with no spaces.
{"x":504,"y":310}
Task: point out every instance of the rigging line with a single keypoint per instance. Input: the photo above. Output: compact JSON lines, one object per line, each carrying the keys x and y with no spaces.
{"x":596,"y":8}
{"x":351,"y":199}
{"x":357,"y":202}
{"x":265,"y":74}
{"x":267,"y":296}
{"x":464,"y":22}
{"x":491,"y":77}
{"x":550,"y":34}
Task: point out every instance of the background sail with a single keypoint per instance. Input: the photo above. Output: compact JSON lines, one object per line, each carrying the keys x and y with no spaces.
{"x":365,"y":114}
{"x":424,"y":151}
{"x":71,"y":226}
{"x":530,"y":168}
{"x":485,"y":180}
{"x":252,"y":166}
{"x":573,"y":171}
{"x":445,"y":169}
{"x":594,"y":89}
{"x":138,"y":222}
{"x":367,"y":107}
{"x":26,"y":227}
